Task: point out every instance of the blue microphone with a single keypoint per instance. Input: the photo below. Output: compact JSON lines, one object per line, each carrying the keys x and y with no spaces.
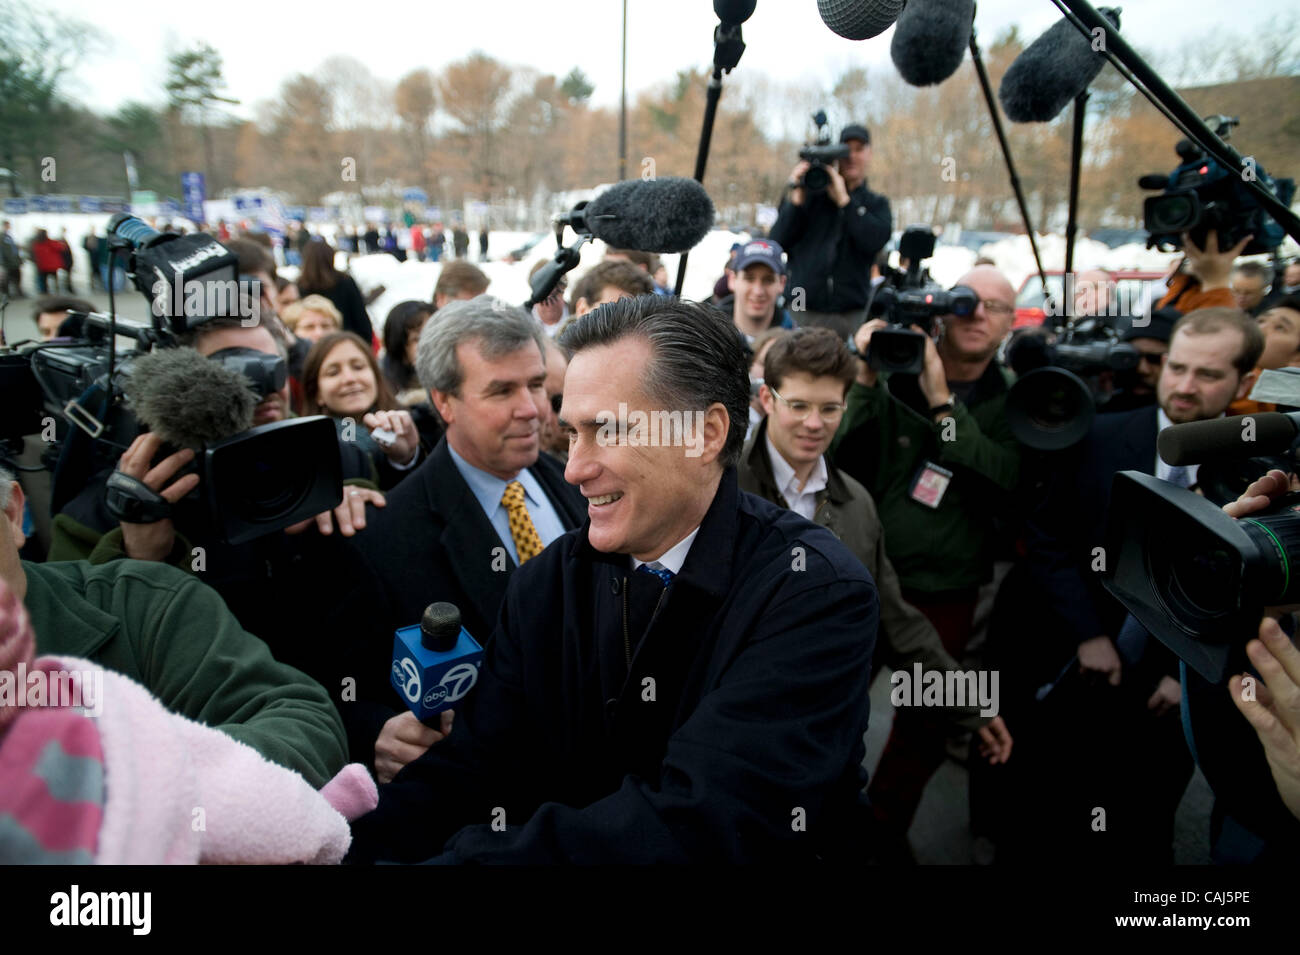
{"x":435,"y":663}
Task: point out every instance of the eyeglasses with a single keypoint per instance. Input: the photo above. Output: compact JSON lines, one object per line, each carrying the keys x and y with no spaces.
{"x":802,"y":409}
{"x":994,"y":307}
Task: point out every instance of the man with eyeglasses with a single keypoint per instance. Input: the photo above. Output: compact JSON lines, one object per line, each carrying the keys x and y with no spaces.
{"x":937,"y":454}
{"x":806,"y":376}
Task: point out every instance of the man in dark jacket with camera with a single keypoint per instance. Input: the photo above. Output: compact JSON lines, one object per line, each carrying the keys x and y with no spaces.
{"x":831,"y":237}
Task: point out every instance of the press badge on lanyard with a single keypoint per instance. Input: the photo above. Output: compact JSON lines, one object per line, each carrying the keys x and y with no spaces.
{"x":930,"y":484}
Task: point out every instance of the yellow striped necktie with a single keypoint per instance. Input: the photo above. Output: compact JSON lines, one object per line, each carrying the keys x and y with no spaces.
{"x":527,"y":541}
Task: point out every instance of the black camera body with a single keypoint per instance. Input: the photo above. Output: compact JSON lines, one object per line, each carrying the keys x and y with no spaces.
{"x":1203,"y":195}
{"x":910,"y":298}
{"x":259,"y":480}
{"x":1052,"y":403}
{"x":820,"y":155}
{"x":1198,"y":579}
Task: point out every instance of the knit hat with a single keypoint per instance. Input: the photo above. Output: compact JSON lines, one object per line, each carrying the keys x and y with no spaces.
{"x":17,"y":647}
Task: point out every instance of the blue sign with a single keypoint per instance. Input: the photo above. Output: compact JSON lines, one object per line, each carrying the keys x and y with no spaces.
{"x":194,"y":190}
{"x":112,"y":205}
{"x":414,"y":194}
{"x":318,"y":214}
{"x":38,"y":204}
{"x":88,"y":204}
{"x":296,"y":213}
{"x":15,"y":207}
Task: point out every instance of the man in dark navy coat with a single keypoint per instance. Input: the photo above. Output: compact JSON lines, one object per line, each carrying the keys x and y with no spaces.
{"x":684,"y":678}
{"x":445,"y":533}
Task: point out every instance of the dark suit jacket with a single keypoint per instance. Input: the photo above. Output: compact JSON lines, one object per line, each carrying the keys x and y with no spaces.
{"x":431,"y":542}
{"x":1072,"y":522}
{"x":741,"y":710}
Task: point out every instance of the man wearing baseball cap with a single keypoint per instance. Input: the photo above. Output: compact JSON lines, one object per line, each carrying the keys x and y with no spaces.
{"x":756,"y":281}
{"x":831,"y":236}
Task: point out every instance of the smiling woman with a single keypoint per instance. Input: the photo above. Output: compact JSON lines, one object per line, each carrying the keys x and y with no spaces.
{"x":342,"y":379}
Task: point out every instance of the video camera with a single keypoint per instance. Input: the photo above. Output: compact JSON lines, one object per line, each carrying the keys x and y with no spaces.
{"x":1202,"y":195}
{"x":819,"y":155}
{"x":1196,"y":578}
{"x":910,"y":298}
{"x":188,"y":280}
{"x":1051,"y":405}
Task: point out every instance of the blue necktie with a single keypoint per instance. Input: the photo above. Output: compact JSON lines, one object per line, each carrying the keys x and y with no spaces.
{"x":662,"y":573}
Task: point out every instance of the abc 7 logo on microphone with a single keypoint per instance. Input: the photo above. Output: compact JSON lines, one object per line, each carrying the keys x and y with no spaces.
{"x":455,"y":683}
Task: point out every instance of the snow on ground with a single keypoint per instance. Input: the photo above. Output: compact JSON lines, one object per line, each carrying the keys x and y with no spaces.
{"x":509,"y":281}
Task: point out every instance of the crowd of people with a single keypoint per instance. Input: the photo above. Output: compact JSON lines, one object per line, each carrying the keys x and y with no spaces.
{"x":688,"y":538}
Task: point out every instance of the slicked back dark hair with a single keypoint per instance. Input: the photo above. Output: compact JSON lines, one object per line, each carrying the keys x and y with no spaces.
{"x":698,"y":357}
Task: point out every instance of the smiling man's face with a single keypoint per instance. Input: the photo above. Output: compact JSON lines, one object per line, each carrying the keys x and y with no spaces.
{"x":641,"y":500}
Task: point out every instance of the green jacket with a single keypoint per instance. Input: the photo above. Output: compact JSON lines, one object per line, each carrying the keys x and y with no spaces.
{"x":845,"y":508}
{"x":884,"y":443}
{"x":173,"y":634}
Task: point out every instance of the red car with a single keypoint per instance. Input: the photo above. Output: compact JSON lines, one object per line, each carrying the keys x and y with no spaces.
{"x":1133,"y":293}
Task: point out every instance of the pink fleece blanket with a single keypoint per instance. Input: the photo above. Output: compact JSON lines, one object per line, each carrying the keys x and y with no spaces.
{"x":173,"y":791}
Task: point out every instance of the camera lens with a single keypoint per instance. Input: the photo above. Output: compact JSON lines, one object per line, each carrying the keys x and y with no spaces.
{"x":816,"y":178}
{"x":1172,"y":214}
{"x":1198,"y":579}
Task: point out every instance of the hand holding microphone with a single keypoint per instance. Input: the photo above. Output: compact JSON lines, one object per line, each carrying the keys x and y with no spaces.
{"x":404,"y":739}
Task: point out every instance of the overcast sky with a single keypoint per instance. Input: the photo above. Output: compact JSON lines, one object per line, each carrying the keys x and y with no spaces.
{"x":262,"y":43}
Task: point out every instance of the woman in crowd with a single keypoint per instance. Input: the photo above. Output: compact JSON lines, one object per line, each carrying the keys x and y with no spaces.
{"x":312,"y":318}
{"x":401,"y":339}
{"x":342,"y":379}
{"x":320,"y":277}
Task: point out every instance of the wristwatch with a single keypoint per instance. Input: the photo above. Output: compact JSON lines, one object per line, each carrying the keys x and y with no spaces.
{"x":945,"y":406}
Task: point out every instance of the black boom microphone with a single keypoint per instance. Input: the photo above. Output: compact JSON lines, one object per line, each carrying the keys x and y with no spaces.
{"x":931,"y":39}
{"x":671,"y":214}
{"x":859,"y":19}
{"x":1052,"y":71}
{"x":1199,"y":442}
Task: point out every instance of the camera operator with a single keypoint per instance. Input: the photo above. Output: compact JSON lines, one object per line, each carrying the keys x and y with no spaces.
{"x":262,"y":581}
{"x":832,"y":236}
{"x":1128,"y":755}
{"x":937,"y":454}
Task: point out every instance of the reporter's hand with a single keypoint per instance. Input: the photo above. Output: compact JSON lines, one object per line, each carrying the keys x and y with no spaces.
{"x":154,"y":541}
{"x":1275,"y":711}
{"x":995,"y":741}
{"x":1261,"y":494}
{"x":1168,"y":694}
{"x":1099,"y":655}
{"x":350,"y":515}
{"x":862,"y":341}
{"x":404,"y":449}
{"x":405,"y":739}
{"x":1211,"y":266}
{"x":796,"y":177}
